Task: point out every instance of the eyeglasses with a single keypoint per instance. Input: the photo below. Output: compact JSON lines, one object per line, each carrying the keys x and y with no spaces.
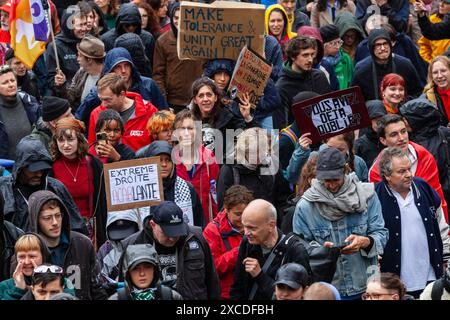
{"x":374,"y":296}
{"x":379,"y":45}
{"x":48,"y":269}
{"x":335,"y":43}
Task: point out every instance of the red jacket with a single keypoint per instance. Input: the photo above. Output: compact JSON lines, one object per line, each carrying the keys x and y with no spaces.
{"x":202,"y":180}
{"x":224,"y":260}
{"x":136,"y":135}
{"x":426,"y":169}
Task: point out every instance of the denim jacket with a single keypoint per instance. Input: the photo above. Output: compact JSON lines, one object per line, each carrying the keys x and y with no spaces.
{"x":352,"y":270}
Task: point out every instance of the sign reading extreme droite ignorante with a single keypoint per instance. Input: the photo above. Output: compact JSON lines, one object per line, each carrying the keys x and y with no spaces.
{"x":332,"y":114}
{"x":133,"y":183}
{"x":219,"y":30}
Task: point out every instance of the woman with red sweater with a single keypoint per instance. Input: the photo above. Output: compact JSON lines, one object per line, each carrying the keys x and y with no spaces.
{"x":224,"y":235}
{"x":82,"y":174}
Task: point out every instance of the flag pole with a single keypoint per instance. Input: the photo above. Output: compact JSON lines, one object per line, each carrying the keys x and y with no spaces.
{"x":46,"y":8}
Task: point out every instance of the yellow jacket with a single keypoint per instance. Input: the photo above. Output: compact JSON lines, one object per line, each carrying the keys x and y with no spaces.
{"x":269,"y":10}
{"x":428,"y":49}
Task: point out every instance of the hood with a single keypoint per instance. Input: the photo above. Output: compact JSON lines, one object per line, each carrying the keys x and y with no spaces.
{"x":133,"y":43}
{"x":158,"y":147}
{"x":216,"y":65}
{"x":287,"y":25}
{"x":128,"y":215}
{"x":116,"y":56}
{"x":287,"y":70}
{"x":375,"y":108}
{"x":128,"y":14}
{"x":173,"y":7}
{"x":35,"y":203}
{"x":28,"y":151}
{"x":313,"y":32}
{"x":375,"y":35}
{"x":422,"y":116}
{"x":139,"y":253}
{"x":66,"y":33}
{"x":346,"y":21}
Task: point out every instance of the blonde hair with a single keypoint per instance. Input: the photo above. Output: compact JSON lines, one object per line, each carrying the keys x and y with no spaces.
{"x":251,"y":145}
{"x":28,"y":242}
{"x":445,"y":60}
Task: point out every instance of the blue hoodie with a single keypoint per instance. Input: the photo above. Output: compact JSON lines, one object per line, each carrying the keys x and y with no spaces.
{"x":146,"y":87}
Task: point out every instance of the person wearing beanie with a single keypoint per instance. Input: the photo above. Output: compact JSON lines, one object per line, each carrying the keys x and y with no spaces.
{"x":52,"y":110}
{"x":370,"y":71}
{"x":174,"y":76}
{"x":91,"y":54}
{"x":335,"y":55}
{"x":26,"y":79}
{"x":15,"y":108}
{"x":133,"y":43}
{"x":368,"y":146}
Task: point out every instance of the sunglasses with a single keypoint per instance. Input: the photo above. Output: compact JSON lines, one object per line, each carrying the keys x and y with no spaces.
{"x":48,"y":269}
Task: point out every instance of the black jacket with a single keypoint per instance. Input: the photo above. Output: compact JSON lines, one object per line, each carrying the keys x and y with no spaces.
{"x":80,"y":261}
{"x":66,"y":42}
{"x":289,"y":84}
{"x":368,"y":73}
{"x":368,"y":147}
{"x":129,"y":14}
{"x":427,"y":131}
{"x":28,"y":84}
{"x":30,"y":150}
{"x":287,"y":250}
{"x":435,"y":31}
{"x":197,"y":277}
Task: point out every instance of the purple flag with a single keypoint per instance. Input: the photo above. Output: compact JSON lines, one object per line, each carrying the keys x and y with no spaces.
{"x":40,"y":25}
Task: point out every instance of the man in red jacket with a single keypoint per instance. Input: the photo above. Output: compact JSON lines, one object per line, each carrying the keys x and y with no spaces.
{"x":392,"y":132}
{"x":134,"y":111}
{"x":224,"y":235}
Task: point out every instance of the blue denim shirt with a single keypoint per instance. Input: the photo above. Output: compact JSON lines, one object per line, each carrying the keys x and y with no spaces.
{"x":352,"y":270}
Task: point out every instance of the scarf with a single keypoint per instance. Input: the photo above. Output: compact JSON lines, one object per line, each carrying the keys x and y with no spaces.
{"x":390,"y":109}
{"x":333,"y":60}
{"x":146,"y":294}
{"x":351,"y":198}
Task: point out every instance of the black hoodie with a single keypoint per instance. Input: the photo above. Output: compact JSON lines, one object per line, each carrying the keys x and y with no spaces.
{"x":368,"y":73}
{"x":424,"y":120}
{"x":30,"y":150}
{"x":66,"y":44}
{"x":80,"y":261}
{"x":129,"y":14}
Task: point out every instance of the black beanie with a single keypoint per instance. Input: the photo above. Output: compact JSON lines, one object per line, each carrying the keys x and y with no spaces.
{"x":9,"y":54}
{"x":329,"y":33}
{"x":53,"y":107}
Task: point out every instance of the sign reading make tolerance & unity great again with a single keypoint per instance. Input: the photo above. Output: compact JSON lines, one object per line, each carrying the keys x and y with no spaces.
{"x":219,"y":30}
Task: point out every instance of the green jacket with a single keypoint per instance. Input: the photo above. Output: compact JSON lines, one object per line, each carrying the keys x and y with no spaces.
{"x":9,"y":291}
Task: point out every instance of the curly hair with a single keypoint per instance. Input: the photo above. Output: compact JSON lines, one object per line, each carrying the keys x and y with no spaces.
{"x":64,"y":129}
{"x":307,"y":174}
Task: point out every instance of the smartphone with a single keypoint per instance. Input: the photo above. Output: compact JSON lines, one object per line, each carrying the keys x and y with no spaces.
{"x":342,"y":245}
{"x":102,"y":138}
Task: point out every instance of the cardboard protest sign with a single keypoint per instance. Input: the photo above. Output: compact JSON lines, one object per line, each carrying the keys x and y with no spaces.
{"x":219,"y":30}
{"x":133,"y":184}
{"x":332,"y":114}
{"x":250,"y":75}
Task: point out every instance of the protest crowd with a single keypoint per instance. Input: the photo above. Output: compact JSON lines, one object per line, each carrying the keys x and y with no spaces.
{"x":228,"y":150}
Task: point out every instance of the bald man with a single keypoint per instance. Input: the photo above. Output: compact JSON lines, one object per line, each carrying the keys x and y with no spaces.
{"x":321,"y":291}
{"x":262,"y":251}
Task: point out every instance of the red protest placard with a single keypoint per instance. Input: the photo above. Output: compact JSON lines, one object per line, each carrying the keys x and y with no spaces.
{"x":332,"y":114}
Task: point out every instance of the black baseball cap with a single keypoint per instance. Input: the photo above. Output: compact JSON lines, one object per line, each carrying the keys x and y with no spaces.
{"x":330,"y":164}
{"x":293,"y":275}
{"x":39,"y":165}
{"x":169,"y":217}
{"x":121,"y":229}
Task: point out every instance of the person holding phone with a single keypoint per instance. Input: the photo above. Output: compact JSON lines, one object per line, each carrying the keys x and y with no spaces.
{"x":108,"y":146}
{"x":436,"y":31}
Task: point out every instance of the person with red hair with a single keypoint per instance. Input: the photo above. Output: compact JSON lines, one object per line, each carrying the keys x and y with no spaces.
{"x":160,"y":125}
{"x":393,"y":91}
